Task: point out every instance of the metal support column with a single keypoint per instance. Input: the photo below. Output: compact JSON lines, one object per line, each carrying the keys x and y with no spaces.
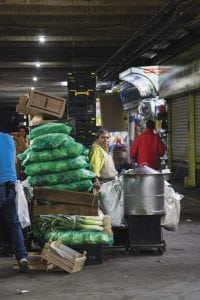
{"x":190,"y":180}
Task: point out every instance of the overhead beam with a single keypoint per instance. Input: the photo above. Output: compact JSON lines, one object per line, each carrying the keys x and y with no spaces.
{"x":174,"y":17}
{"x":62,"y":25}
{"x":83,"y":2}
{"x":77,"y":10}
{"x":70,"y":38}
{"x":15,"y":65}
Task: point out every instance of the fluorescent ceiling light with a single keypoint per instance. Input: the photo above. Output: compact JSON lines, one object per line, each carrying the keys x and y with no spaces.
{"x":35,"y":79}
{"x":64,"y":83}
{"x":42,"y":39}
{"x":37,"y":64}
{"x":32,"y":88}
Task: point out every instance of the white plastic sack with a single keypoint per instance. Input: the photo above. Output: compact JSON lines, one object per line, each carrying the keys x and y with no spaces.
{"x":112,"y":201}
{"x":145,"y":170}
{"x":22,"y":205}
{"x":172,"y":205}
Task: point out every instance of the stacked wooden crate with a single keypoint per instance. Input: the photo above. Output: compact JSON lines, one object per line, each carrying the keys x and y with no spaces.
{"x":70,"y":202}
{"x":41,"y":106}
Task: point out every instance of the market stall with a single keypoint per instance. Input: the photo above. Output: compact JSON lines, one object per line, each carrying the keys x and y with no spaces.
{"x":63,"y":203}
{"x":139,"y":92}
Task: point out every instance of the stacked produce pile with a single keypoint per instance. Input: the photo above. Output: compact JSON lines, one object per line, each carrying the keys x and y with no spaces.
{"x":74,"y":230}
{"x":55,"y":160}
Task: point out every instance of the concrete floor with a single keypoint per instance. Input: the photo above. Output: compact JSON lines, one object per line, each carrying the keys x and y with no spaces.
{"x":175,"y":275}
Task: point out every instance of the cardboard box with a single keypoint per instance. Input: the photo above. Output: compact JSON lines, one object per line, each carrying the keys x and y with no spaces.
{"x":112,"y":103}
{"x":46,"y":104}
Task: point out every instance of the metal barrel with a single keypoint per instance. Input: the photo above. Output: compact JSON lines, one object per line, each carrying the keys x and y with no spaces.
{"x":143,"y":194}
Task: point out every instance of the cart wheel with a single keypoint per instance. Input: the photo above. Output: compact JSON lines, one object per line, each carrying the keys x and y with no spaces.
{"x":161,"y":250}
{"x":135,"y":251}
{"x":126,"y":245}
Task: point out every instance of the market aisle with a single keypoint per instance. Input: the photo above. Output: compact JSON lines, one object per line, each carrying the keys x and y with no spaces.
{"x":174,"y":275}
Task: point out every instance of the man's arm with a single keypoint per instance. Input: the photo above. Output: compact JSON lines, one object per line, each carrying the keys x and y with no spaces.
{"x":161,"y":147}
{"x":134,"y":149}
{"x":97,"y":161}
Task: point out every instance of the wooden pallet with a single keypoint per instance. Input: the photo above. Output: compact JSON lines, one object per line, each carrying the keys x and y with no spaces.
{"x":35,"y":262}
{"x":59,"y":255}
{"x":71,"y":202}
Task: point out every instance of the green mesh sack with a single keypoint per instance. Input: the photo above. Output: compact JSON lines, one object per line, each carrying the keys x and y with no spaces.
{"x":79,"y":186}
{"x":50,"y":141}
{"x":77,"y":237}
{"x":58,"y":178}
{"x":73,"y":237}
{"x":57,"y":166}
{"x":24,"y":154}
{"x":49,"y":128}
{"x":67,"y":150}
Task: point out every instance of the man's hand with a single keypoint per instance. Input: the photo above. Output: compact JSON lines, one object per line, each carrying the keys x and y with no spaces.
{"x":97,"y":183}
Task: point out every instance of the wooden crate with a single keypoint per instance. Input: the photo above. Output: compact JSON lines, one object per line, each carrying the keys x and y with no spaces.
{"x":70,"y":202}
{"x":22,"y":108}
{"x":46,"y":104}
{"x":59,"y":255}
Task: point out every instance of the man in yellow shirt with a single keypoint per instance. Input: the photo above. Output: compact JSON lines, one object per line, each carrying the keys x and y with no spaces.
{"x":101,"y":160}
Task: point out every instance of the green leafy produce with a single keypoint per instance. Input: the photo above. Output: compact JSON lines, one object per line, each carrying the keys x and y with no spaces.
{"x":67,"y":150}
{"x":49,"y":167}
{"x":62,"y":177}
{"x":71,"y":229}
{"x":78,"y":186}
{"x":50,"y":141}
{"x":73,"y":237}
{"x":49,"y":128}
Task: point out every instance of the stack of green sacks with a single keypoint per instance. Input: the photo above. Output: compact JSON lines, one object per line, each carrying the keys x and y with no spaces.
{"x":55,"y":160}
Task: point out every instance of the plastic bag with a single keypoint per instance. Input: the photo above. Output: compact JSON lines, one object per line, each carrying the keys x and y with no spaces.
{"x":22,"y":205}
{"x":170,"y":220}
{"x":112,"y":201}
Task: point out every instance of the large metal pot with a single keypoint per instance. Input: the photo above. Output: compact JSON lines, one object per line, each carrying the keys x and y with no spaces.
{"x":143,"y":194}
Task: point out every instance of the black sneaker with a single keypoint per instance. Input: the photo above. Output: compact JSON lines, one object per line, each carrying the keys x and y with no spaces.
{"x":23,"y":265}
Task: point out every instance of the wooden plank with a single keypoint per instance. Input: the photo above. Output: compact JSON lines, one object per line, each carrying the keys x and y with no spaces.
{"x":68,"y":197}
{"x":58,"y":264}
{"x":35,"y":262}
{"x":64,"y":209}
{"x":48,"y":255}
{"x":74,"y":264}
